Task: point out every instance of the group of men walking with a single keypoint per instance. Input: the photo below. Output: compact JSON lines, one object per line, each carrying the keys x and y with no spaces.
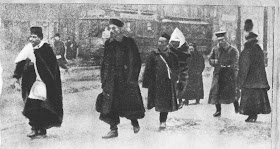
{"x":173,"y":72}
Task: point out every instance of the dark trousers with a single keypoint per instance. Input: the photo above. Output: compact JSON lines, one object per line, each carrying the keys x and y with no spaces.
{"x":236,"y":106}
{"x":35,"y":116}
{"x":113,"y":119}
{"x":163,"y":116}
{"x":39,"y":117}
{"x":35,"y":120}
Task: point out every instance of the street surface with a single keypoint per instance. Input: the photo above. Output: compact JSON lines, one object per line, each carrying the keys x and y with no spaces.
{"x":192,"y":127}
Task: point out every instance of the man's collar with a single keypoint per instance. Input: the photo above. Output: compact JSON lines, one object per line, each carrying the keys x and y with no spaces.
{"x":226,"y":47}
{"x":39,"y":45}
{"x":119,"y":38}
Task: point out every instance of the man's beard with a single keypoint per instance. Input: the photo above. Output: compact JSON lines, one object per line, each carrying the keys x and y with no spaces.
{"x":34,"y":43}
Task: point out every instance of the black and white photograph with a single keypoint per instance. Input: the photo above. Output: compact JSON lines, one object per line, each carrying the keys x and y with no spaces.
{"x":124,"y":74}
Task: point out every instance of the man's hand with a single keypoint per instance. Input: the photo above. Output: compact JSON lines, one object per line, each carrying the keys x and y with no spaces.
{"x":15,"y":84}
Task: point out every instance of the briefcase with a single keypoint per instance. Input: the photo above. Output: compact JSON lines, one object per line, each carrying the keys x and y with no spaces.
{"x":99,"y":102}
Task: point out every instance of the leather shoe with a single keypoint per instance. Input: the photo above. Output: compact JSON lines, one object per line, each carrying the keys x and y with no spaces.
{"x":32,"y":134}
{"x":42,"y":132}
{"x":136,"y":129}
{"x":218,"y":113}
{"x":162,"y":125}
{"x":251,"y":119}
{"x":111,"y":134}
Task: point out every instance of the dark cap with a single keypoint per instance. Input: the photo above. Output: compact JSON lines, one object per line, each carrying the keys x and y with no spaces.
{"x":220,"y":34}
{"x":248,"y":25}
{"x":166,"y":36}
{"x":116,"y":22}
{"x":37,"y":31}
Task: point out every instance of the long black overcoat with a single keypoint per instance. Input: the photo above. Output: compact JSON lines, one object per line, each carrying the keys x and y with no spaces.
{"x":124,"y":67}
{"x":160,"y":82}
{"x":194,"y":88}
{"x":252,"y":72}
{"x":252,"y":79}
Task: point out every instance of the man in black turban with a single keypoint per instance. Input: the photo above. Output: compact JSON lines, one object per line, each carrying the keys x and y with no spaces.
{"x":37,"y":31}
{"x":41,"y":84}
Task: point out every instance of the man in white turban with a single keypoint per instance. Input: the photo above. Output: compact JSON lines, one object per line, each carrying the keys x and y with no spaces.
{"x":177,"y":39}
{"x":179,"y":47}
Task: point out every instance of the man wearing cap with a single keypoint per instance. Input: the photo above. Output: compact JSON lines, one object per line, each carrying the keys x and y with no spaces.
{"x":120,"y":70}
{"x":160,"y":81}
{"x":41,"y":84}
{"x":59,"y":50}
{"x":224,"y":59}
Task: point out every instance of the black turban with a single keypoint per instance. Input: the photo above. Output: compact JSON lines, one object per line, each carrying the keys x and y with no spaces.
{"x":37,"y":31}
{"x":248,"y":25}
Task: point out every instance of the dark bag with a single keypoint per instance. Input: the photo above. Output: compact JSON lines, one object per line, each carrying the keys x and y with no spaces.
{"x":99,"y":102}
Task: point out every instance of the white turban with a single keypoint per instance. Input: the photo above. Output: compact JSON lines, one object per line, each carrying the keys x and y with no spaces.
{"x":177,"y":35}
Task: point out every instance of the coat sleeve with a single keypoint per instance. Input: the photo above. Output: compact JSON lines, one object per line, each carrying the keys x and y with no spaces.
{"x":19,"y":69}
{"x":244,"y":64}
{"x":149,"y":72}
{"x":134,"y":62}
{"x":235,"y":59}
{"x":213,"y":56}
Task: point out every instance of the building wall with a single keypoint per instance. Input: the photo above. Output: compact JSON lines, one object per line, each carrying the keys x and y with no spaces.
{"x":64,"y":18}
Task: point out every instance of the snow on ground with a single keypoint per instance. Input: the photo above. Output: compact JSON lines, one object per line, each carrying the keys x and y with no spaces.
{"x":192,"y":127}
